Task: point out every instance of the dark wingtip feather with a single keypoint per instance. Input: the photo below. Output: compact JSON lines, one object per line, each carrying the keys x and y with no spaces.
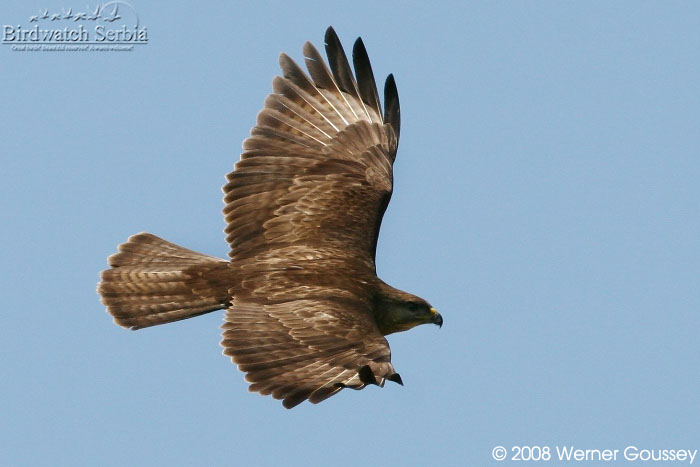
{"x":392,"y":110}
{"x":396,"y":378}
{"x":330,"y":35}
{"x":367,"y":375}
{"x":338,"y":62}
{"x":365,"y":78}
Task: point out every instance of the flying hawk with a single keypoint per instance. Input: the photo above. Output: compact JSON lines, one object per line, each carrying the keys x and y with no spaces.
{"x":306,"y":314}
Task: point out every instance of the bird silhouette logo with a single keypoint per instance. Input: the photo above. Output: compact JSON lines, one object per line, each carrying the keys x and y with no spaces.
{"x":107,"y":12}
{"x":114,"y":15}
{"x":95,"y":14}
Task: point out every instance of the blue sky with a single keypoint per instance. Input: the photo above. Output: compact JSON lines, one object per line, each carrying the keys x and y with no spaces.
{"x":546,"y":202}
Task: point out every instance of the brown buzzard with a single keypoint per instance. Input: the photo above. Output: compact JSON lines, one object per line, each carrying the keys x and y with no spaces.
{"x":306,"y":314}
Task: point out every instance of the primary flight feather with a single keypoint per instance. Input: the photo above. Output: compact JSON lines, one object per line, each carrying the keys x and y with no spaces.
{"x":306,"y":314}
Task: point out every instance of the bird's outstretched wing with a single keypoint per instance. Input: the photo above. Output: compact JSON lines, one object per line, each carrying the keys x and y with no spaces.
{"x":318,"y":164}
{"x":309,"y":347}
{"x":303,"y":210}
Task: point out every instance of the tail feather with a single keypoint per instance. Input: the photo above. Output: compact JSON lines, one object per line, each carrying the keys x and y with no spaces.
{"x":152,"y":281}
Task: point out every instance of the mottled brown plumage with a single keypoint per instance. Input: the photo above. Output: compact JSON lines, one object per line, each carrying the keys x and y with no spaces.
{"x":306,"y":314}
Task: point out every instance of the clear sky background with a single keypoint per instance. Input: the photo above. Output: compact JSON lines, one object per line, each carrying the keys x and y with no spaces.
{"x":547,"y":202}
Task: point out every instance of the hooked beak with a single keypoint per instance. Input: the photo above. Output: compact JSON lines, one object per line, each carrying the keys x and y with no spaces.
{"x":437,"y":318}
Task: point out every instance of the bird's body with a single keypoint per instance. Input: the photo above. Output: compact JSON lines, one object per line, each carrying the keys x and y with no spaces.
{"x":306,"y":313}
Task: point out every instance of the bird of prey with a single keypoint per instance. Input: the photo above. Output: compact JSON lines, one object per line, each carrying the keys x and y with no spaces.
{"x":306,"y":314}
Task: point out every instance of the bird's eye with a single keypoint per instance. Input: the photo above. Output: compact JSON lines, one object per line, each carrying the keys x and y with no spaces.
{"x":414,"y":306}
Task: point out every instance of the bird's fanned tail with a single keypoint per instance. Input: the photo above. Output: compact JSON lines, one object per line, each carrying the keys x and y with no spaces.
{"x":152,"y":281}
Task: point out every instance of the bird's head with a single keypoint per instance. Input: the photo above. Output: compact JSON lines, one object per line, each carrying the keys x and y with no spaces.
{"x":402,"y":311}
